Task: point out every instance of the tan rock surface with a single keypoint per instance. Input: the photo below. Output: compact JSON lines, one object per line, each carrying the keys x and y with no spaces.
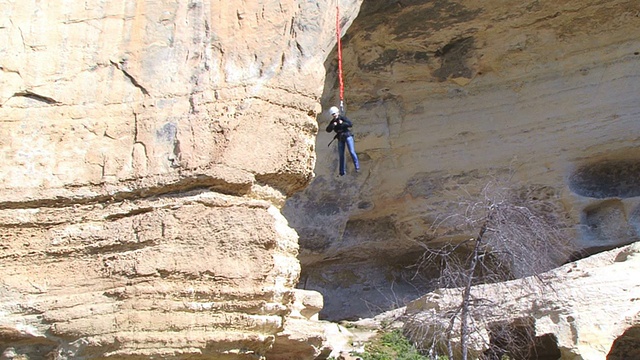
{"x":147,"y":147}
{"x":202,"y":274}
{"x":102,"y":94}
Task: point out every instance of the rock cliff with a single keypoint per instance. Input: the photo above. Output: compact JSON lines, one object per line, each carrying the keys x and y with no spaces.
{"x":147,"y":147}
{"x":449,"y":96}
{"x":158,"y":156}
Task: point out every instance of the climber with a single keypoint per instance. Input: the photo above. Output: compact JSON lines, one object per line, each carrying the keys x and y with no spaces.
{"x":340,"y":124}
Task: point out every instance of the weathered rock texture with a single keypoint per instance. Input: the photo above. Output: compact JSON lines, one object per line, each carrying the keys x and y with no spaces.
{"x":447,"y":96}
{"x":147,"y":147}
{"x":588,"y":309}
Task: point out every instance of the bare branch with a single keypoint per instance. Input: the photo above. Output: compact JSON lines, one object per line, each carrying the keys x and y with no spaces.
{"x":519,"y":234}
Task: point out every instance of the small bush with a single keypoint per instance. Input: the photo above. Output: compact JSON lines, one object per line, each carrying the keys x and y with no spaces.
{"x":391,"y":345}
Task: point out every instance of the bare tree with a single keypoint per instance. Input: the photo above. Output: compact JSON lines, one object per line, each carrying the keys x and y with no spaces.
{"x":518,"y":234}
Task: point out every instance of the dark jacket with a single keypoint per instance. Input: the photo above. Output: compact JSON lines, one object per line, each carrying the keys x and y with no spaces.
{"x":342,"y":130}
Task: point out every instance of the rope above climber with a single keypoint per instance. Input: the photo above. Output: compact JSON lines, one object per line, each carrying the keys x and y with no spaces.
{"x":339,"y":46}
{"x":339,"y":122}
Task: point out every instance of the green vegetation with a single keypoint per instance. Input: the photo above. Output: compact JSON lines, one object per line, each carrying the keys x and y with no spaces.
{"x":392,"y":345}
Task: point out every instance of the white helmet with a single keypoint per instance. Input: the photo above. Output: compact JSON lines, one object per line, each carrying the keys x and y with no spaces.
{"x":334,"y":110}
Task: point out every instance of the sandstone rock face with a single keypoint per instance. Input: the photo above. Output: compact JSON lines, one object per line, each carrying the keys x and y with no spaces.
{"x":587,"y":310}
{"x":147,"y":147}
{"x":152,"y":277}
{"x":447,"y":96}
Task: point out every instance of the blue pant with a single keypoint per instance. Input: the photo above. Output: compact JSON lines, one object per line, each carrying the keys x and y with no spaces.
{"x":352,"y":150}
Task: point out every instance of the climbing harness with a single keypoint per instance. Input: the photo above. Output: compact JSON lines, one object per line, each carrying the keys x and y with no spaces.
{"x":339,"y":57}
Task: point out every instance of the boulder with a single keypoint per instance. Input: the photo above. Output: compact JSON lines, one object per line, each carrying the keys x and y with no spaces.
{"x":587,"y":309}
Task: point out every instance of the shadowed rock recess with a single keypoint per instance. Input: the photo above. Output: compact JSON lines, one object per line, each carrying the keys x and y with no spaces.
{"x":449,"y":96}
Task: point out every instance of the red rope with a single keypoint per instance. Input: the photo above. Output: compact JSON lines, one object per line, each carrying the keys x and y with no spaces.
{"x":339,"y":58}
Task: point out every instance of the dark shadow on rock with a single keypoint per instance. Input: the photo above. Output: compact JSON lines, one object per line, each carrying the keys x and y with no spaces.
{"x":609,"y":178}
{"x":626,"y":346}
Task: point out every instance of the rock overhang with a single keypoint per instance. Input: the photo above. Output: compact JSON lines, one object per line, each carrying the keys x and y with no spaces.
{"x":447,"y":96}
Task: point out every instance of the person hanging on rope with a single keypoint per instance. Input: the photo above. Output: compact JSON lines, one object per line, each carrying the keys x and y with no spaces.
{"x":341,"y":125}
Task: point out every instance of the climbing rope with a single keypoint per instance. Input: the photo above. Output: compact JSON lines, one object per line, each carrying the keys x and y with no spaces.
{"x":339,"y":57}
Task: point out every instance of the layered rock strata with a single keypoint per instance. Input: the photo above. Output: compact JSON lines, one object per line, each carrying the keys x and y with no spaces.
{"x":147,"y":147}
